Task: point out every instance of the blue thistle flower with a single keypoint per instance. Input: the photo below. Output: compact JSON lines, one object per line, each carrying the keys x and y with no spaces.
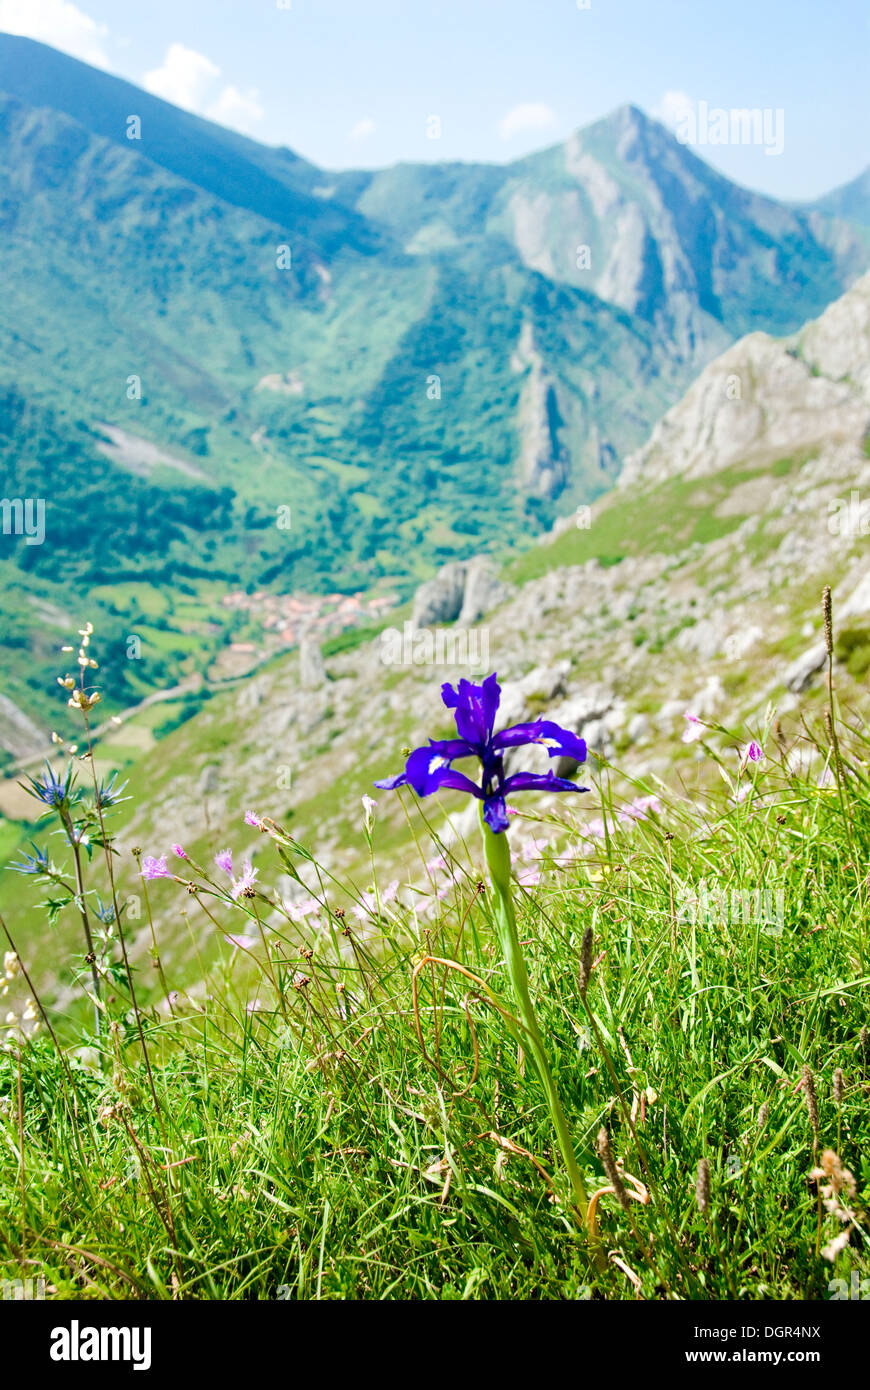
{"x":36,"y":863}
{"x":108,"y":794}
{"x":428,"y":769}
{"x":49,"y":789}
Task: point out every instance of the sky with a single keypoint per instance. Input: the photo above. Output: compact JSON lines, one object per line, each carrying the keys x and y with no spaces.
{"x":366,"y":83}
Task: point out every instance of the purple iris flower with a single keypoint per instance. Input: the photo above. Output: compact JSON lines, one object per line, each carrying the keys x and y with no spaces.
{"x":475,"y":707}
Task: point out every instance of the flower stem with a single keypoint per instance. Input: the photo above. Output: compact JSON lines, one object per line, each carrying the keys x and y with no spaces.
{"x":499,"y":865}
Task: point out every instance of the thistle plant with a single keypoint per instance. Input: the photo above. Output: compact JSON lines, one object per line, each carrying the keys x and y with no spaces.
{"x":82,"y":817}
{"x":429,"y":769}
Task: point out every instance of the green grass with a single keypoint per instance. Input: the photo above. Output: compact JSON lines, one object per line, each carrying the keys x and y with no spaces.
{"x":336,"y":1144}
{"x":669,"y":516}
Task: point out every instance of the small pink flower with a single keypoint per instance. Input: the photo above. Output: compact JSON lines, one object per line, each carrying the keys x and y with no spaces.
{"x":155,"y":868}
{"x":251,"y":818}
{"x":695,"y":729}
{"x":177,"y":850}
{"x":224,"y":860}
{"x":527,"y":878}
{"x":243,"y":943}
{"x":640,"y":808}
{"x":297,"y":912}
{"x":754,"y":753}
{"x":247,"y":879}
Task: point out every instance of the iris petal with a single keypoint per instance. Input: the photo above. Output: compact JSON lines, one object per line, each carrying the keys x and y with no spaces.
{"x":539,"y":781}
{"x":561,"y":742}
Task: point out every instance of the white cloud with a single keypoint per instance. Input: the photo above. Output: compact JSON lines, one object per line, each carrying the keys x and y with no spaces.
{"x":188,"y":78}
{"x":241,"y":110}
{"x":673,"y":108}
{"x":59,"y":23}
{"x":184,"y":78}
{"x":363,"y":129}
{"x":529,"y":115}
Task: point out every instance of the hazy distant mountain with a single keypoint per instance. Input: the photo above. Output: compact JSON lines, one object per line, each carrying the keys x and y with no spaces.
{"x":851,"y":202}
{"x":622,"y":208}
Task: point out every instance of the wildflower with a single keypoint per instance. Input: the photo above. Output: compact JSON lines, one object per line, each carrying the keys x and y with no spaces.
{"x":108,"y":793}
{"x":475,"y":707}
{"x":641,"y":808}
{"x":753,"y":754}
{"x":528,"y":878}
{"x":49,"y":789}
{"x":251,"y":818}
{"x":694,"y":730}
{"x":80,"y":700}
{"x":224,"y":861}
{"x":11,"y":965}
{"x":244,"y":943}
{"x":179,"y":852}
{"x":299,"y":911}
{"x":369,"y":806}
{"x":106,"y":914}
{"x":155,"y":868}
{"x":245,"y":881}
{"x":369,"y":899}
{"x":36,"y":863}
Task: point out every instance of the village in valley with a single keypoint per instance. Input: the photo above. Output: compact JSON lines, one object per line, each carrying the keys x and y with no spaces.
{"x":274,"y":622}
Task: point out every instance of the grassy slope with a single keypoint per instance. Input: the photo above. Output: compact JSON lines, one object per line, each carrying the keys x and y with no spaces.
{"x":326,"y":1151}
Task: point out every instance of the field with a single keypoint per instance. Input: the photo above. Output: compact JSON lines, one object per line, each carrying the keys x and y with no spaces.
{"x":348,"y":1106}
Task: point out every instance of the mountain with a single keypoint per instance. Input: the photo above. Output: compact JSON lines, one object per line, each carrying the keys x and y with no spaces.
{"x":692,"y":586}
{"x":850,"y":203}
{"x":279,"y":379}
{"x":273,"y":183}
{"x":624,"y":209}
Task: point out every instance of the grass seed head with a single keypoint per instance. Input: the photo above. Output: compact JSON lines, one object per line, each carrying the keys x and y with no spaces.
{"x":827,"y":620}
{"x":808,"y":1085}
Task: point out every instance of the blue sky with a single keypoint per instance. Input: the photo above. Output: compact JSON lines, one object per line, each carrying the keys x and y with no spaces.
{"x":354,"y":82}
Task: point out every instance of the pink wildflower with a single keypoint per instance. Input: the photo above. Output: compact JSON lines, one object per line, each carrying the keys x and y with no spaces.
{"x":155,"y":868}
